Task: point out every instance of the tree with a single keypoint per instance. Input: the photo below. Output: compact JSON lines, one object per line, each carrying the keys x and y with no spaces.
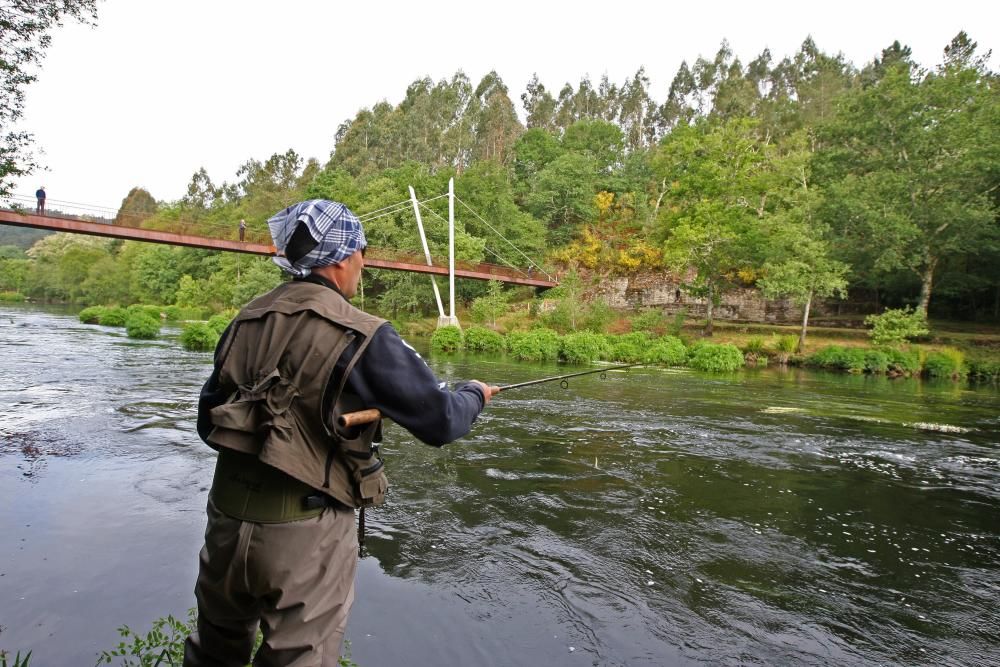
{"x":137,"y":206}
{"x":539,"y":105}
{"x":26,"y":31}
{"x":710,"y":228}
{"x":911,"y":161}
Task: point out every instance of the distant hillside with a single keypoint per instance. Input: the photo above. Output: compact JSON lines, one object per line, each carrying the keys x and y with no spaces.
{"x":22,"y":237}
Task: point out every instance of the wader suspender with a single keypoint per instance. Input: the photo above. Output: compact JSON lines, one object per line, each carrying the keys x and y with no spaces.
{"x":333,"y":450}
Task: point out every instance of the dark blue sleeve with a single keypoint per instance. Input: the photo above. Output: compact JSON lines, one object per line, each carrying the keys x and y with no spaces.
{"x":392,"y":377}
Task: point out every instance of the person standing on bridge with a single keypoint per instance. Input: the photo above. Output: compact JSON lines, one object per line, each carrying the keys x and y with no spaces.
{"x":243,"y":229}
{"x":280,"y":546}
{"x":40,"y":196}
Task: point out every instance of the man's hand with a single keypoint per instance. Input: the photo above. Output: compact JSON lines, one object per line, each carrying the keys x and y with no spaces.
{"x":488,"y":391}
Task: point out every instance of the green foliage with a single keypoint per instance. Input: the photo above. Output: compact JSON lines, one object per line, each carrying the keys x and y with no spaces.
{"x":896,"y":326}
{"x":903,"y":362}
{"x":984,"y":368}
{"x":162,"y":645}
{"x":492,"y":305}
{"x":946,"y":363}
{"x":628,"y":348}
{"x":876,"y":361}
{"x":668,"y":350}
{"x":481,"y":339}
{"x":598,"y":316}
{"x":836,"y":357}
{"x":582,"y":347}
{"x":717,"y":358}
{"x":677,"y":323}
{"x":92,"y":315}
{"x":113,"y":317}
{"x":146,"y":309}
{"x":141,"y":325}
{"x":199,"y":337}
{"x":19,"y":660}
{"x":218,"y":323}
{"x":447,"y":339}
{"x":12,"y":297}
{"x":180,"y":313}
{"x":650,"y":320}
{"x":535,"y":345}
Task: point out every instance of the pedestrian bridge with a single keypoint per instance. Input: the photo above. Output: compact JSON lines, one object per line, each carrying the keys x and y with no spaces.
{"x":201,"y":235}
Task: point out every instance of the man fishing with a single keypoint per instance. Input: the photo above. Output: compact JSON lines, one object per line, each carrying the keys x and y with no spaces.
{"x":280,"y":545}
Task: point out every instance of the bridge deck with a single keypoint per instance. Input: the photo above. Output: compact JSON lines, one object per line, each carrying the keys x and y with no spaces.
{"x":374,"y":258}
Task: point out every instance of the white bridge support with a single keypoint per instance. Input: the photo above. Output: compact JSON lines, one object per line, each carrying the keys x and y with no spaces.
{"x":450,"y":320}
{"x":427,"y":252}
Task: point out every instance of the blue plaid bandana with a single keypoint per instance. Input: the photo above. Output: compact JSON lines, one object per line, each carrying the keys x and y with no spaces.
{"x":315,"y":233}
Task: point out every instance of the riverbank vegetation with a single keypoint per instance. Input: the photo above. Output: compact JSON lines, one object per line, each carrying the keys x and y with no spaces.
{"x":806,"y":177}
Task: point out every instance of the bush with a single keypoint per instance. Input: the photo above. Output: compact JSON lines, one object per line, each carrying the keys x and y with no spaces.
{"x":92,"y":315}
{"x":668,"y":350}
{"x":480,"y":339}
{"x":583,"y":347}
{"x":11,"y":297}
{"x":896,"y":326}
{"x":182,"y":313}
{"x":535,"y":345}
{"x":629,"y":348}
{"x":650,"y":321}
{"x":945,"y":363}
{"x":141,"y":325}
{"x":446,"y":339}
{"x":677,"y":324}
{"x":902,"y":362}
{"x":984,"y":369}
{"x":219,"y":322}
{"x":784,"y":347}
{"x":716,"y":358}
{"x":598,"y":316}
{"x":753,"y":351}
{"x":850,"y":359}
{"x":113,"y":317}
{"x":876,"y":361}
{"x":199,"y":337}
{"x":151,"y":311}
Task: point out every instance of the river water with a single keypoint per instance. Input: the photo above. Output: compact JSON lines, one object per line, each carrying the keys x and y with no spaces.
{"x":654,"y":517}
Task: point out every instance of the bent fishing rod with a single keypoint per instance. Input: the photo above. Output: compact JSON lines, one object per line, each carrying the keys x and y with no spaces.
{"x":372,"y":414}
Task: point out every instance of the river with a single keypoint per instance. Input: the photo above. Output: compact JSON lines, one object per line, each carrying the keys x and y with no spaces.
{"x":654,"y":517}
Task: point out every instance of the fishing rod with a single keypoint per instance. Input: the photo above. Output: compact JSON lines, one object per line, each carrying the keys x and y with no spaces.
{"x":372,"y":414}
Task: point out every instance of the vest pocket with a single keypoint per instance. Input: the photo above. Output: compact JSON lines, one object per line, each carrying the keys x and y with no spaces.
{"x":365,"y":467}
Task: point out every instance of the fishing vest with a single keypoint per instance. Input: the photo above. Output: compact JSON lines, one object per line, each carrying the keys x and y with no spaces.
{"x":278,"y":360}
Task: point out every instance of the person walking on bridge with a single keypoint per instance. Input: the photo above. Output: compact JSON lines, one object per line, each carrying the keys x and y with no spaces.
{"x":280,"y":548}
{"x":40,"y":196}
{"x":243,"y":229}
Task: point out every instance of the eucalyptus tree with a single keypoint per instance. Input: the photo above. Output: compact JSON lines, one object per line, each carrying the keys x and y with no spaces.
{"x":539,"y":104}
{"x":912,"y":164}
{"x":496,"y":126}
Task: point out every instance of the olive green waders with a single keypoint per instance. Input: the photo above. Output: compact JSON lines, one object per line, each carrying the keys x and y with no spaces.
{"x":270,"y":559}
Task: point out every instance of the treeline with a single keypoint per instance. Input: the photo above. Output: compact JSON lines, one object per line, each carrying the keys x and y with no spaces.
{"x":806,"y":177}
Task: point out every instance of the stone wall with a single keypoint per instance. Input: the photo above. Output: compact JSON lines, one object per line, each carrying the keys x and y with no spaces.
{"x":661,"y":290}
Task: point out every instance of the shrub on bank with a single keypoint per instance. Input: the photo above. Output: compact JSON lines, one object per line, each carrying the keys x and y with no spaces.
{"x":534,"y":345}
{"x":628,"y":348}
{"x":716,"y":358}
{"x":219,"y":322}
{"x":180,"y":313}
{"x":583,"y":347}
{"x":903,"y":362}
{"x":945,"y":363}
{"x":199,"y":337}
{"x":668,"y":350}
{"x":896,"y":326}
{"x":876,"y":361}
{"x":836,"y":357}
{"x":784,"y":347}
{"x":151,"y":311}
{"x":113,"y":317}
{"x":92,"y":315}
{"x":11,"y":297}
{"x":984,"y":369}
{"x":447,"y":339}
{"x":141,"y":325}
{"x":481,"y":339}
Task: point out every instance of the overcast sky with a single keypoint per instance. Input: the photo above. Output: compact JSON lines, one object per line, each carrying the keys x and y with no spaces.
{"x":160,"y":88}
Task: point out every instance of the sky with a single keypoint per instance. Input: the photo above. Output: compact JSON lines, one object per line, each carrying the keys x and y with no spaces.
{"x":161,"y":88}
